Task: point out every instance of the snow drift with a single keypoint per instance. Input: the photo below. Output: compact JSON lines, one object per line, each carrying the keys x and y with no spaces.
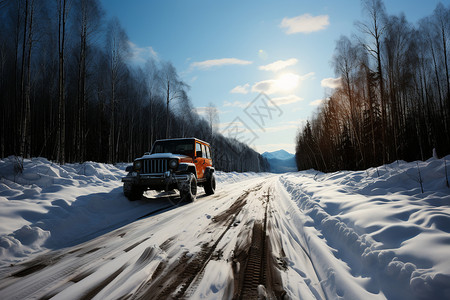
{"x":380,"y":223}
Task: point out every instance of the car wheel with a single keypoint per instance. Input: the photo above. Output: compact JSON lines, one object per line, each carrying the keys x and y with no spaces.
{"x":132,"y":192}
{"x":210,"y":185}
{"x":188,"y":189}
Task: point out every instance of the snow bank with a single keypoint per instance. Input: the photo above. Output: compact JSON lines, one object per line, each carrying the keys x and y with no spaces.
{"x":49,"y":205}
{"x":380,"y":223}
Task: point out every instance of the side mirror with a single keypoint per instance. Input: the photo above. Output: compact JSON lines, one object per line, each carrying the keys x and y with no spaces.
{"x":129,"y":169}
{"x":198,"y":154}
{"x":147,"y":153}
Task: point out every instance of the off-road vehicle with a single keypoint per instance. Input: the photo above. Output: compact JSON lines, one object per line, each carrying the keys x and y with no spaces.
{"x":181,"y":164}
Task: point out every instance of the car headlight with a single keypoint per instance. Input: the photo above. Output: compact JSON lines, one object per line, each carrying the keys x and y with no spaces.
{"x":137,"y":165}
{"x":173,"y":163}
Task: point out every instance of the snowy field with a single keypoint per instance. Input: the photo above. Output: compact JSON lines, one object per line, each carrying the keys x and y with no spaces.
{"x":68,"y":232}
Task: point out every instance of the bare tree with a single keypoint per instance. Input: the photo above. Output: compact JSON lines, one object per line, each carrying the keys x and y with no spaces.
{"x":346,"y":62}
{"x":62,"y":19}
{"x":26,"y":134}
{"x":89,"y":15}
{"x":174,"y":89}
{"x":22,"y":82}
{"x":442,"y":24}
{"x":151,"y":73}
{"x":117,"y":51}
{"x":212,"y":116}
{"x":375,"y":28}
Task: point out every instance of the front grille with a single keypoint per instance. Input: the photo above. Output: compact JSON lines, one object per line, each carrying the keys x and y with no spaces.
{"x":155,"y":165}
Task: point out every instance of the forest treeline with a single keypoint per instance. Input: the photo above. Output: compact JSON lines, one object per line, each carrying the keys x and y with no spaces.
{"x":69,"y":91}
{"x":393,"y":101}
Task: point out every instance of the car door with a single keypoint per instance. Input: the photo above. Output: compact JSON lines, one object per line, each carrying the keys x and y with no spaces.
{"x":208,"y":158}
{"x":199,"y":160}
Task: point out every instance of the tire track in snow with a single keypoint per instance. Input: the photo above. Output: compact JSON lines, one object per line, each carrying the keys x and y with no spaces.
{"x":174,"y":280}
{"x":58,"y":271}
{"x":253,"y":264}
{"x":259,"y":273}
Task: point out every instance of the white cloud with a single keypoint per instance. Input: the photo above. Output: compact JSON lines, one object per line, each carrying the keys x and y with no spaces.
{"x":279,"y":65}
{"x":298,"y":122}
{"x":331,"y":83}
{"x":235,"y":104}
{"x":265,"y":86}
{"x":241,"y":89}
{"x":305,"y":23}
{"x":206,"y":64}
{"x":286,"y":100}
{"x":140,"y":55}
{"x":203,"y":110}
{"x":316,"y":102}
{"x":285,"y":83}
{"x":307,"y":76}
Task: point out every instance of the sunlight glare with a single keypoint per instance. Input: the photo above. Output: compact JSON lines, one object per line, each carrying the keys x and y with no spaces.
{"x":287,"y":82}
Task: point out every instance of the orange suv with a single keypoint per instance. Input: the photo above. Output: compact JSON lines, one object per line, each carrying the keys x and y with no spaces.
{"x":181,"y":164}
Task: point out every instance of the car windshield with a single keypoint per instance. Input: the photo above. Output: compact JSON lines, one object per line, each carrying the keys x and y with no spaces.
{"x":184,"y":147}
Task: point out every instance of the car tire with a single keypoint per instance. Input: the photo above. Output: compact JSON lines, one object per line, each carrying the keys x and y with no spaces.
{"x":188,"y":189}
{"x":210,"y":185}
{"x":132,"y":192}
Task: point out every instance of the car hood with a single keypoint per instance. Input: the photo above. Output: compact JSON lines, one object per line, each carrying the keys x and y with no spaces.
{"x":163,"y":155}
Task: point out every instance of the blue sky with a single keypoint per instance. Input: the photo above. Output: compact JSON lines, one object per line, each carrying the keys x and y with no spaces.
{"x":230,"y":51}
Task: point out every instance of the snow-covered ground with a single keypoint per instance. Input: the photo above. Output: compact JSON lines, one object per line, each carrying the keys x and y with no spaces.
{"x":68,"y":232}
{"x":50,"y":206}
{"x":380,"y":226}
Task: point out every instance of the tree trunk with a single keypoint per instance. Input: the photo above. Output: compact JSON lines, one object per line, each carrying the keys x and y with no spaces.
{"x":27,"y":119}
{"x":22,"y":85}
{"x":444,"y":45}
{"x":111,"y":127}
{"x":116,"y":158}
{"x":167,"y":109}
{"x":80,"y":136}
{"x":382,"y":98}
{"x":151,"y":123}
{"x":17,"y":102}
{"x":62,"y":109}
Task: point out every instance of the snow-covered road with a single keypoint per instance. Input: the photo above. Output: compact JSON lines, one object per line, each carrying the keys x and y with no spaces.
{"x":306,"y":235}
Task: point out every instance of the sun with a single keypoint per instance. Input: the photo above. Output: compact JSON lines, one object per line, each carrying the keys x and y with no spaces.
{"x":287,"y":82}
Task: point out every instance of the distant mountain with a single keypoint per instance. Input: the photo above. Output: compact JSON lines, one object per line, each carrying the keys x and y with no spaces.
{"x":279,"y":154}
{"x":281,"y":161}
